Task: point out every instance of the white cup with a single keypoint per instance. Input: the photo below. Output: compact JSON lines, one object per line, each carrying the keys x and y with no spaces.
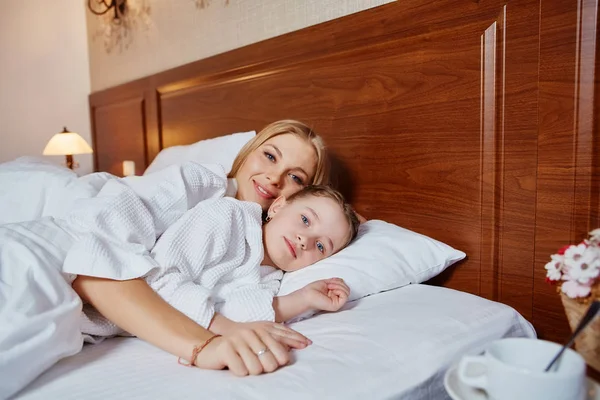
{"x":513,"y":369}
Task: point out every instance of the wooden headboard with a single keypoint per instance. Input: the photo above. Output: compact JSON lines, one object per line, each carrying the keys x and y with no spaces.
{"x":469,"y":121}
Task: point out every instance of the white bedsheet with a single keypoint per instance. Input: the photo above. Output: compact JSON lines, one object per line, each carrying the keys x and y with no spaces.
{"x":396,"y":344}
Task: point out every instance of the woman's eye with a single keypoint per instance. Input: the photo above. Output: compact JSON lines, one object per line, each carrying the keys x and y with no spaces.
{"x":305,"y":220}
{"x":296,"y":179}
{"x":320,"y":247}
{"x":270,"y":156}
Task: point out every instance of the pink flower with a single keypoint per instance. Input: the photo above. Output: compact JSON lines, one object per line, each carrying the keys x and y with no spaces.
{"x":574,"y":253}
{"x":554,"y":268}
{"x":585,"y":268}
{"x":574,"y":289}
{"x":577,"y":266}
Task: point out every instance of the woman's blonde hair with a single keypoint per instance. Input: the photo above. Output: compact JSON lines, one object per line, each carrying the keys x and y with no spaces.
{"x":282,"y":127}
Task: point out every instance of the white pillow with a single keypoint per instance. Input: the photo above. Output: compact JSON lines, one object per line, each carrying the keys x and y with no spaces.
{"x":220,"y":150}
{"x":382,"y":257}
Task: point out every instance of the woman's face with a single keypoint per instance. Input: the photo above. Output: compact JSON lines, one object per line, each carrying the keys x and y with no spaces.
{"x":281,"y":166}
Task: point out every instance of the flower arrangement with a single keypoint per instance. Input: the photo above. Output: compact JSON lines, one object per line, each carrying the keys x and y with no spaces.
{"x":576,"y":268}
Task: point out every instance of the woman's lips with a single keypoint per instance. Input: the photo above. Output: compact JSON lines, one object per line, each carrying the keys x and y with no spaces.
{"x":290,"y":247}
{"x":262,"y":192}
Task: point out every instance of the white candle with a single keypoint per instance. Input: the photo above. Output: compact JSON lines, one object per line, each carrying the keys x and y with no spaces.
{"x":128,"y":168}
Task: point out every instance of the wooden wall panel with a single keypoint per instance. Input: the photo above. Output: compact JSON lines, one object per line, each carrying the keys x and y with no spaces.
{"x":120,"y":135}
{"x":568,"y":143}
{"x":517,"y":126}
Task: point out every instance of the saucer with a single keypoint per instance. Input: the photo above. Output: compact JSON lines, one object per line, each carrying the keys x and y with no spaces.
{"x":459,"y":391}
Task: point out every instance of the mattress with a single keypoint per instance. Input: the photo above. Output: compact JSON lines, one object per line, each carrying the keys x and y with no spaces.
{"x":396,"y":344}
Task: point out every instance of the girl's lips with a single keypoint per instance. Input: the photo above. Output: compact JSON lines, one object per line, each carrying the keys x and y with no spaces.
{"x":262,"y":192}
{"x":289,"y":245}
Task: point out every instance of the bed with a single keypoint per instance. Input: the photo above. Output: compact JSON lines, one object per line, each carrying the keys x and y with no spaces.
{"x":471,"y":122}
{"x":396,"y":344}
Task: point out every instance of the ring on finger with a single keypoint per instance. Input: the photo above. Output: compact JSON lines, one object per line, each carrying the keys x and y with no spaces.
{"x":263,"y":351}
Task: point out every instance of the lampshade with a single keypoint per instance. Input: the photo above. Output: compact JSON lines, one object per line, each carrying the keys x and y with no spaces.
{"x":67,"y":143}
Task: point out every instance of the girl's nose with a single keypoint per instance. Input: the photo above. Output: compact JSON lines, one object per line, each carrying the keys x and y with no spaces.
{"x":302,"y":241}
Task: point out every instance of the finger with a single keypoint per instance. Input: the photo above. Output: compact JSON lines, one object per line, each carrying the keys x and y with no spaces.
{"x":340,"y":285}
{"x":289,"y":333}
{"x":337,"y":301}
{"x":339,"y":294}
{"x":262,"y":349}
{"x":234,"y":362}
{"x":338,"y":281}
{"x":278,"y":353}
{"x":248,"y":354}
{"x":291,"y":343}
{"x":342,"y":288}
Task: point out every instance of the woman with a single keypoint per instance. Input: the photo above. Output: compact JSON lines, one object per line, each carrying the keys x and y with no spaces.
{"x":280,"y":160}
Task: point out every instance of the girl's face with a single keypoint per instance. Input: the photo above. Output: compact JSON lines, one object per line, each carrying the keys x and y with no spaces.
{"x":303,"y":232}
{"x":281,"y":166}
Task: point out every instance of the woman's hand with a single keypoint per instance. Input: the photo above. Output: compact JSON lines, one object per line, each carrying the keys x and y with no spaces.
{"x":249,"y":349}
{"x":326,"y":295}
{"x":287,"y":336}
{"x":284,"y":335}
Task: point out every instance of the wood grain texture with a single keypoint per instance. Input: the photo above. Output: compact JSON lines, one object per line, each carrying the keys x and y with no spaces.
{"x":567,"y":145}
{"x":450,"y":118}
{"x":518,"y":154}
{"x":124,"y":121}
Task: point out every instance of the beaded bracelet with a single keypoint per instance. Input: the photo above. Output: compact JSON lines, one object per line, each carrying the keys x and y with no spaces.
{"x":195,"y":352}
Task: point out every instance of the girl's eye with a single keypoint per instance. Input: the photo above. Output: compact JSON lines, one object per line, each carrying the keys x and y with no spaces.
{"x":305,"y":220}
{"x":320,"y":247}
{"x":270,"y":156}
{"x":296,"y":179}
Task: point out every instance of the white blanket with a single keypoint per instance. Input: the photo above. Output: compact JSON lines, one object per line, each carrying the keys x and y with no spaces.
{"x":207,"y":261}
{"x":31,"y":189}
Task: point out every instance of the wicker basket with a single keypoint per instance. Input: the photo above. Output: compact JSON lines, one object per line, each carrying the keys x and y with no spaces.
{"x":588,"y":342}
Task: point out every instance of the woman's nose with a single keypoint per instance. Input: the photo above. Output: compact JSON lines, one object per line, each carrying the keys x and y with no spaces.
{"x":274,"y":178}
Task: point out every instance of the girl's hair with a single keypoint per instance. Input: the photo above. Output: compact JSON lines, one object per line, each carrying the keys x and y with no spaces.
{"x":327,"y":191}
{"x":280,"y":128}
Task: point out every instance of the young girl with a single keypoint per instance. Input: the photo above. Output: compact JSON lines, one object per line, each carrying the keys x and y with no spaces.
{"x":209,"y":262}
{"x":110,"y":236}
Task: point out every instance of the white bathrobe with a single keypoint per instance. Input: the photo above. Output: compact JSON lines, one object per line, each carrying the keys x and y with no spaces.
{"x":207,"y":259}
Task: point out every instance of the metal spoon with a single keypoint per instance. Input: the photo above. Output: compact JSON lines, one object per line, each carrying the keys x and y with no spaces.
{"x":587,"y":318}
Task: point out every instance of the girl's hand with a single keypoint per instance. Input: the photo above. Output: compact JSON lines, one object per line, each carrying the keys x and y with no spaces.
{"x":250,"y":349}
{"x":326,"y":295}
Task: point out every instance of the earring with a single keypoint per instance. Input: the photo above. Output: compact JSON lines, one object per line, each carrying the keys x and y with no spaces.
{"x":268,"y":218}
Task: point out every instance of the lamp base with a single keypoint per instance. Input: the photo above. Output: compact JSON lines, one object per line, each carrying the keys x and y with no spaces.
{"x":69,"y":160}
{"x":71,"y":164}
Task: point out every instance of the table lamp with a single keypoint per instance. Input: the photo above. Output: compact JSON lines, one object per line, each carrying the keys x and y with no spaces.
{"x":66,"y":144}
